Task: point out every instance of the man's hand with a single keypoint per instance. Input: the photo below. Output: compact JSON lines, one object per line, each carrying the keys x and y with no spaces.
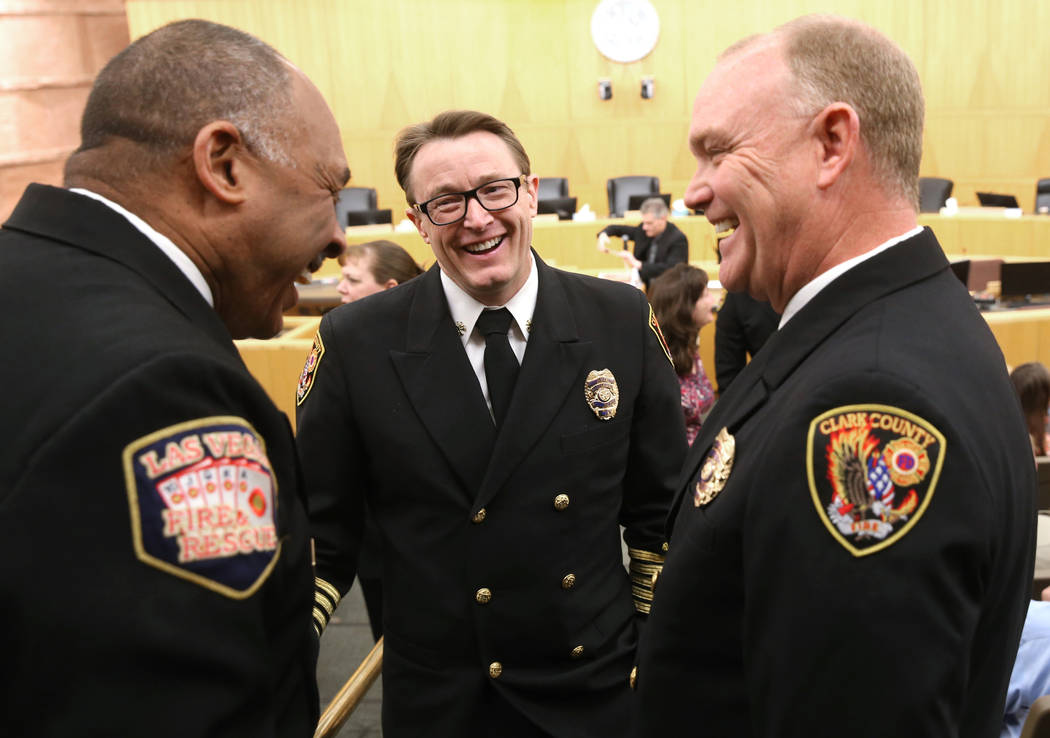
{"x":603,"y":243}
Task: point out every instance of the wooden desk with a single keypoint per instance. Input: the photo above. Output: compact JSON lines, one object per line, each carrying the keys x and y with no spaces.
{"x":975,"y":233}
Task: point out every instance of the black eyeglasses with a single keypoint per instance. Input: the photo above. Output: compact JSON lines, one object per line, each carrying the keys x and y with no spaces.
{"x":498,"y":194}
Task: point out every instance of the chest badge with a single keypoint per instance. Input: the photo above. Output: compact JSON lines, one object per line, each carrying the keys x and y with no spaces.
{"x":872,"y":473}
{"x":715,"y":471}
{"x":602,"y":393}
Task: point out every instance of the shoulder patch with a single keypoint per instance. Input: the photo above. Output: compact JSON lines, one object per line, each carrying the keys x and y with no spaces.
{"x":872,"y":472}
{"x":655,"y":325}
{"x":203,"y":498}
{"x":306,"y":379}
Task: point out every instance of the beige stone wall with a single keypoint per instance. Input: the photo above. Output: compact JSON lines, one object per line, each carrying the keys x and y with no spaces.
{"x":50,"y":51}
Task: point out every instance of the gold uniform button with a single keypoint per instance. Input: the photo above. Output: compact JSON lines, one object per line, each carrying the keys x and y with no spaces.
{"x":561,"y":502}
{"x":634,"y":676}
{"x":483,"y":595}
{"x":568,"y":581}
{"x":577,"y":652}
{"x":664,"y":547}
{"x":495,"y":669}
{"x":479,"y":516}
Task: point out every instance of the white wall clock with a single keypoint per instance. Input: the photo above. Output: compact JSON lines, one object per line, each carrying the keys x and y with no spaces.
{"x":625,"y":30}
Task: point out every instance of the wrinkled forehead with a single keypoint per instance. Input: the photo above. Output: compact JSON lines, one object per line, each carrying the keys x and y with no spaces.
{"x":448,"y":164}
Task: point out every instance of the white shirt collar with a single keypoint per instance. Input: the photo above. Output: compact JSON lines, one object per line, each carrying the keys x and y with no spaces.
{"x":165,"y":244}
{"x":812,"y":288}
{"x":465,"y":309}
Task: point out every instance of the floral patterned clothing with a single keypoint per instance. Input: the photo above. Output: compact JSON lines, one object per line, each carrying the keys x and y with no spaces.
{"x":697,"y":397}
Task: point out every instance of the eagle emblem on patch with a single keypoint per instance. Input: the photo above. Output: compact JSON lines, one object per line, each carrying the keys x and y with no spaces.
{"x":602,"y":393}
{"x":655,"y":325}
{"x":306,"y":378}
{"x":716,"y":468}
{"x":203,"y":497}
{"x":872,"y":472}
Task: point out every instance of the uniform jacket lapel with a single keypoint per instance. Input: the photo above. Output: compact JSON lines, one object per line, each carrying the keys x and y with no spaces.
{"x":553,"y":357}
{"x":908,"y":262}
{"x":89,"y":225}
{"x":442,"y":386}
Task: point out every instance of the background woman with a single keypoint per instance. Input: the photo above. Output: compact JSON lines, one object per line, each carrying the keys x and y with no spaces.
{"x":373,"y":267}
{"x":683,"y":305}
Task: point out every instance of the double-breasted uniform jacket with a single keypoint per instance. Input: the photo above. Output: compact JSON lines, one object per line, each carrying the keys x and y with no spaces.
{"x":656,"y":254}
{"x":156,"y":575}
{"x":863,"y":566}
{"x":506,"y":601}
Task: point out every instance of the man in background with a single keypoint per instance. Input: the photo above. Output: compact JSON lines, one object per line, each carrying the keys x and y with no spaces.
{"x":742,"y":326}
{"x":658,"y":244}
{"x":158,"y":576}
{"x":503,"y":420}
{"x":852,"y":543}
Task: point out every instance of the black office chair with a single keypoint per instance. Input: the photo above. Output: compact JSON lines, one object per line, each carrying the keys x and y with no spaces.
{"x":619,"y":189}
{"x":933,"y":193}
{"x":1042,"y":196}
{"x":354,"y":198}
{"x":552,"y":187}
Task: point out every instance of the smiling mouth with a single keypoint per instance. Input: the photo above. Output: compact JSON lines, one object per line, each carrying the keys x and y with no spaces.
{"x":485,"y":246}
{"x":725,"y":228}
{"x":306,"y":275}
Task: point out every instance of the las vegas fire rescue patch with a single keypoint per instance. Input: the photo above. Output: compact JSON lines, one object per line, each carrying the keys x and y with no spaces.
{"x":306,"y":378}
{"x":202,"y":496}
{"x":872,"y":473}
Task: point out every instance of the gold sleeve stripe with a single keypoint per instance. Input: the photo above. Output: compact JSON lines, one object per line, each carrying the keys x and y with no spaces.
{"x":643,"y":555}
{"x":328,"y":589}
{"x":320,"y":621}
{"x":321,"y":599}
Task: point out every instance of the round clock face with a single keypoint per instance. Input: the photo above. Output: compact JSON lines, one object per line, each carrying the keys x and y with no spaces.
{"x":625,"y":30}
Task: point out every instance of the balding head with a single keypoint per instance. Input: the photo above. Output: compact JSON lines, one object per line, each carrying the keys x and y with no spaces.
{"x":162,"y":89}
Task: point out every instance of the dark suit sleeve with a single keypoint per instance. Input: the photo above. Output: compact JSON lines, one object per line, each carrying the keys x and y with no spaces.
{"x":658,"y":448}
{"x":333,"y":463}
{"x":623,"y":231}
{"x":730,"y":343}
{"x":846,"y":624}
{"x":677,"y":252}
{"x":208,"y":613}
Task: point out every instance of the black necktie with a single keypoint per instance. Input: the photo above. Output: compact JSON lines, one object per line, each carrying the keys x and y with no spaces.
{"x":501,"y":366}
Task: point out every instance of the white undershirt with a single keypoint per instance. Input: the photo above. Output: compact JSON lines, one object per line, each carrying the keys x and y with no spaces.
{"x":165,"y":244}
{"x":465,"y":311}
{"x":812,"y":288}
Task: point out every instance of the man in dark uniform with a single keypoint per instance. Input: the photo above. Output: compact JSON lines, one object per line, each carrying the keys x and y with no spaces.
{"x":157,"y":572}
{"x":742,"y":326}
{"x":498,"y":490}
{"x":658,"y":244}
{"x":852,"y":542}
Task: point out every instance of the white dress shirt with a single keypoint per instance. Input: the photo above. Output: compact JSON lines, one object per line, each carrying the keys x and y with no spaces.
{"x":814,"y":286}
{"x":465,"y":311}
{"x":165,"y":244}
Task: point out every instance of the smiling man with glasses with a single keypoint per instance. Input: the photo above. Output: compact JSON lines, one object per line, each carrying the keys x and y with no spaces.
{"x":506,"y":419}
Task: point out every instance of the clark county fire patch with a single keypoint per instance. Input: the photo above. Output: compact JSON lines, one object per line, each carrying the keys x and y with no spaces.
{"x":202,"y":496}
{"x":306,"y":379}
{"x":872,"y":472}
{"x":655,"y":325}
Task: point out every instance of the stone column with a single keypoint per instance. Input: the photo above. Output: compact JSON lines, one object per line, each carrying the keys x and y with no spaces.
{"x":50,"y":52}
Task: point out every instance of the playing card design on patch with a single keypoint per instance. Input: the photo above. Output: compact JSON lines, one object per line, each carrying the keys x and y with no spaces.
{"x":872,"y":473}
{"x":306,"y":378}
{"x":202,"y":496}
{"x":655,"y":325}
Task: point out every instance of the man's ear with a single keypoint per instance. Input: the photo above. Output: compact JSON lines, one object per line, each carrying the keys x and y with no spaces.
{"x":219,"y":161}
{"x":390,"y":283}
{"x":837,"y":128}
{"x":533,"y":186}
{"x":417,"y":220}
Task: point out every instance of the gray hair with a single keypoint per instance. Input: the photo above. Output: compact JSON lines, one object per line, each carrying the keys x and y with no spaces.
{"x":835,"y":59}
{"x":163,"y":88}
{"x":655,"y":206}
